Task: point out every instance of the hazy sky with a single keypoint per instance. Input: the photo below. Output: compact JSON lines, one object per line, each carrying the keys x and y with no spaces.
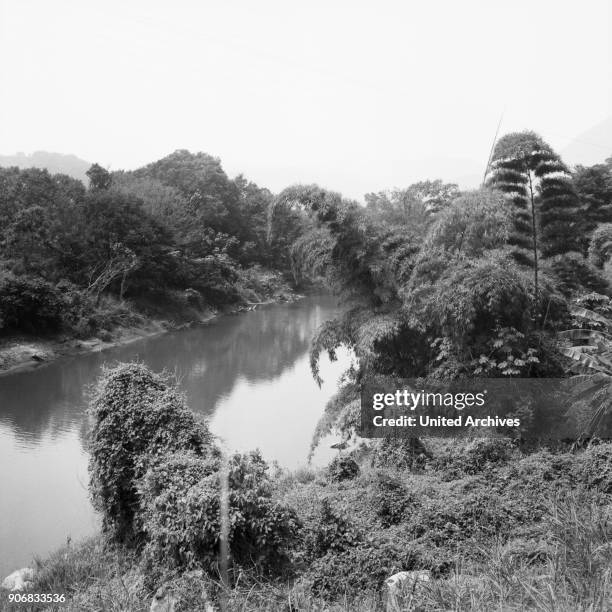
{"x":357,"y":96}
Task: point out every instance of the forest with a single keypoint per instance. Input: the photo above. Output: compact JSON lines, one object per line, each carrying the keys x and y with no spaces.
{"x":175,"y":235}
{"x":510,"y":280}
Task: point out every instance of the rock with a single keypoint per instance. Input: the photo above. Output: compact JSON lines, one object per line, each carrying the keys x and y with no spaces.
{"x":404,"y":583}
{"x":37,"y":358}
{"x":19,"y":580}
{"x":163,"y":600}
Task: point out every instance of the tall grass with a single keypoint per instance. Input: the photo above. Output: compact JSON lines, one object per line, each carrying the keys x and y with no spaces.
{"x":573,"y":576}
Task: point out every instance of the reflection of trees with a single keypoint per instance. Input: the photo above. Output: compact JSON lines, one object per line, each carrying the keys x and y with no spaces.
{"x":49,"y":400}
{"x":256,"y":346}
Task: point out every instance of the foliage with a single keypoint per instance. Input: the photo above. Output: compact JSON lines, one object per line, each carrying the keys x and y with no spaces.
{"x":576,"y":275}
{"x":181,"y":514}
{"x":472,"y":224}
{"x":401,"y":322}
{"x":509,"y":355}
{"x":342,"y":468}
{"x":600,"y":247}
{"x":179,"y":224}
{"x":99,"y":177}
{"x":401,"y":453}
{"x":589,"y":348}
{"x":415,"y":206}
{"x":476,"y":456}
{"x":390,"y":499}
{"x":29,"y":304}
{"x":137,"y":415}
{"x":594,"y":187}
{"x":521,"y":532}
{"x":357,"y":570}
{"x":330,"y":531}
{"x":540,"y":194}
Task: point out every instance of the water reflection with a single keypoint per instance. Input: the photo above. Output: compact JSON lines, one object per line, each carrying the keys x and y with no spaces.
{"x":247,"y":373}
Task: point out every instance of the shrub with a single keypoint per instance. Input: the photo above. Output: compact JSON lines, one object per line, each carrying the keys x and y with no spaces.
{"x":342,"y":468}
{"x":465,"y":511}
{"x":390,"y":499}
{"x":137,"y":415}
{"x":476,"y":456}
{"x":575,"y":274}
{"x":182,"y":517}
{"x":401,"y":453}
{"x":599,"y":249}
{"x":215,"y":277}
{"x":330,"y":531}
{"x":361,"y":569}
{"x":29,"y":304}
{"x":593,"y":468}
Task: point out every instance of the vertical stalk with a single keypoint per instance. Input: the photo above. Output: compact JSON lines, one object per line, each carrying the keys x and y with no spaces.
{"x":534,"y":237}
{"x":224,"y":535}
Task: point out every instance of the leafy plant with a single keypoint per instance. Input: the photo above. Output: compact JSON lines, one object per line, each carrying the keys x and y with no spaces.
{"x":138,"y":416}
{"x":590,"y":349}
{"x":342,"y":468}
{"x":29,"y":304}
{"x":181,"y":514}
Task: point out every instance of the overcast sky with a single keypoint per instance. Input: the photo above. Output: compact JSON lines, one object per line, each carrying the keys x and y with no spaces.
{"x":357,"y":96}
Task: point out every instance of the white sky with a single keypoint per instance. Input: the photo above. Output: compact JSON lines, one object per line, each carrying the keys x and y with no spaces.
{"x":357,"y":96}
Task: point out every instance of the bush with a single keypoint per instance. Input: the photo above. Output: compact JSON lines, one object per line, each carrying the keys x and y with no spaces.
{"x":464,"y":512}
{"x":475,"y":457}
{"x":182,"y":517}
{"x":137,"y":415}
{"x":29,"y":304}
{"x":215,"y":277}
{"x":401,"y":453}
{"x":362,"y":569}
{"x":390,"y":499}
{"x":342,"y":468}
{"x":331,"y":530}
{"x":575,"y":274}
{"x":593,"y":468}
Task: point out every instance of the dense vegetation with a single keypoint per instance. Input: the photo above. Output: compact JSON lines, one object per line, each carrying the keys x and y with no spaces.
{"x":510,"y":280}
{"x":174,"y":235}
{"x":449,"y":285}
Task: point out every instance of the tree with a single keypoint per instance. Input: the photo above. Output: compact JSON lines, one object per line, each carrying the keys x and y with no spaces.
{"x":163,"y":202}
{"x":41,"y":219}
{"x":414,"y":206}
{"x":99,"y":177}
{"x":401,"y":321}
{"x":538,"y":188}
{"x":121,"y":237}
{"x":594,"y":187}
{"x":474,"y":223}
{"x":121,"y":261}
{"x":600,"y":248}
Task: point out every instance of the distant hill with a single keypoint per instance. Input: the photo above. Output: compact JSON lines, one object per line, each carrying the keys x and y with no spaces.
{"x":590,"y":147}
{"x":55,"y":163}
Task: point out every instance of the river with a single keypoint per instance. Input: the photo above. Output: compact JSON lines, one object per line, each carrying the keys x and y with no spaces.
{"x":248,"y":374}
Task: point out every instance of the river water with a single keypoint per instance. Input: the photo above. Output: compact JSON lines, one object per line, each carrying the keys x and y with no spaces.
{"x":247,"y":373}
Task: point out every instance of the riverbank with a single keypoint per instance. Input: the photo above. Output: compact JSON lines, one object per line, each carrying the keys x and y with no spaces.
{"x":23,"y":352}
{"x":476,"y":527}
